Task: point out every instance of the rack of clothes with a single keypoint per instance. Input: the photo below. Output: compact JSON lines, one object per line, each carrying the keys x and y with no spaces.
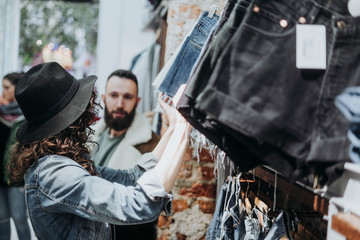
{"x":252,"y":104}
{"x":249,"y":207}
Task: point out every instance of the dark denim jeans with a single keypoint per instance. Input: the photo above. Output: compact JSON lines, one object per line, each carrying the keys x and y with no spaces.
{"x":213,"y":231}
{"x":180,"y":70}
{"x":256,"y":89}
{"x":280,"y":227}
{"x":12,"y":205}
{"x":222,"y":36}
{"x":230,"y":20}
{"x":232,"y":223}
{"x":228,"y":219}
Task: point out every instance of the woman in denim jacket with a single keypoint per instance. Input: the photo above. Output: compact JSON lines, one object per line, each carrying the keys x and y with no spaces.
{"x":68,"y":197}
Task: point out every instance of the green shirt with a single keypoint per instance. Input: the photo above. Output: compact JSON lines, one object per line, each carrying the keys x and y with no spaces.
{"x":107,"y":146}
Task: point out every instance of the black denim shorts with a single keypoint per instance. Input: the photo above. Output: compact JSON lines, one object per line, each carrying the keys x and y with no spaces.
{"x":256,"y":89}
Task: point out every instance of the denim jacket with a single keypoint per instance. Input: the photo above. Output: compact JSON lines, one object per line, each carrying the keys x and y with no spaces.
{"x":65,"y":202}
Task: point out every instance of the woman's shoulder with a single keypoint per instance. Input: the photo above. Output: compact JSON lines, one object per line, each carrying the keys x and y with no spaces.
{"x":56,"y":161}
{"x":59,"y":169}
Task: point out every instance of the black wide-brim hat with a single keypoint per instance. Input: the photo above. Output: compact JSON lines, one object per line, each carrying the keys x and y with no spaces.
{"x":51,"y":99}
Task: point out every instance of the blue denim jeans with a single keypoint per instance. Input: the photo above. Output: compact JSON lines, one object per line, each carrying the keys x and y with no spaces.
{"x":252,"y":228}
{"x":280,"y":227}
{"x":232,"y":222}
{"x":12,"y":205}
{"x":213,"y":231}
{"x":179,"y":72}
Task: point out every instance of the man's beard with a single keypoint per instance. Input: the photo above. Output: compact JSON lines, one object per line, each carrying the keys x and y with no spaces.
{"x":119,"y":124}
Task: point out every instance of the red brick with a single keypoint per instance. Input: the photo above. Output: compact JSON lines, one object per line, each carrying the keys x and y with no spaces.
{"x":188,"y":154}
{"x":180,"y":205}
{"x":199,"y":189}
{"x":206,"y":206}
{"x":195,"y":12}
{"x":206,"y":173}
{"x":180,"y":236}
{"x":184,"y":8}
{"x":205,"y":156}
{"x":164,"y":221}
{"x":171,"y":13}
{"x":164,"y":237}
{"x":185,"y":171}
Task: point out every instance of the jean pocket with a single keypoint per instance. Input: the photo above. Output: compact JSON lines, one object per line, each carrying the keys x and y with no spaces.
{"x":199,"y":36}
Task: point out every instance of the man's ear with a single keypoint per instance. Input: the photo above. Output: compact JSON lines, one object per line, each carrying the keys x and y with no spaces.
{"x":103,"y":98}
{"x":138,"y":100}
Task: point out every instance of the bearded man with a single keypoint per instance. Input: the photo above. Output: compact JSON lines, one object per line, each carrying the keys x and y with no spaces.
{"x":124,"y":135}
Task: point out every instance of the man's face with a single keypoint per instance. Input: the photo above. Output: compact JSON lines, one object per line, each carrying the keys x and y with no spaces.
{"x":120,"y":101}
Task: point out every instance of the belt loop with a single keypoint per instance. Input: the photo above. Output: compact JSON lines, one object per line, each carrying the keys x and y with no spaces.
{"x":313,"y":14}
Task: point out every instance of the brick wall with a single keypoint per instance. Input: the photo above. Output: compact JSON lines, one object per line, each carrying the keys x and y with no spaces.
{"x":194,"y":200}
{"x":195,"y":189}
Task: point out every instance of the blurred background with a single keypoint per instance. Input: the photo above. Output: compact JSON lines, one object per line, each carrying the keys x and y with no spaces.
{"x":86,"y":37}
{"x":98,"y":36}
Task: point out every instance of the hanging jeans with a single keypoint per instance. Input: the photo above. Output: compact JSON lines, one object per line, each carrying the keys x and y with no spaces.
{"x":230,"y":20}
{"x":280,"y":227}
{"x":232,"y":223}
{"x":256,"y":89}
{"x":179,"y":72}
{"x":228,"y":219}
{"x":213,"y":231}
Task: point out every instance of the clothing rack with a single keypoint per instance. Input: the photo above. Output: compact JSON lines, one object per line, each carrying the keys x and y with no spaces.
{"x":309,"y":198}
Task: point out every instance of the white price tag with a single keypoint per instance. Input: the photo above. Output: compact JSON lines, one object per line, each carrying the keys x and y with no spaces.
{"x":310,"y":46}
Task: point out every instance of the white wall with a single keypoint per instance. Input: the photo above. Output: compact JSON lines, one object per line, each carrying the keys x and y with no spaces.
{"x":120,"y":36}
{"x":9,"y":36}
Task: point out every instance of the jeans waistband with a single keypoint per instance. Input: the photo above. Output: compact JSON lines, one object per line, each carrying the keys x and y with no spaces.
{"x":208,"y":22}
{"x":335,"y":11}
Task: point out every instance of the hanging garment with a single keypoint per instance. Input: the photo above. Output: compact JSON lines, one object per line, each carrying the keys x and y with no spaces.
{"x":230,"y":19}
{"x":165,"y":69}
{"x":348,"y":102}
{"x":180,"y":69}
{"x":232,"y":223}
{"x":213,"y":231}
{"x":146,"y":68}
{"x":280,"y":227}
{"x":256,"y":90}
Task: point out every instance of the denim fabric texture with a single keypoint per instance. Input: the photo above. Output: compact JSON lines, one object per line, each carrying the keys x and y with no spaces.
{"x":280,"y":228}
{"x":228,"y":219}
{"x":12,"y":204}
{"x":179,"y":72}
{"x":348,"y":102}
{"x":229,"y":6}
{"x":65,"y":202}
{"x":256,"y":89}
{"x":213,"y":231}
{"x":231,"y":18}
{"x":198,"y":79}
{"x":232,"y":223}
{"x":252,"y":228}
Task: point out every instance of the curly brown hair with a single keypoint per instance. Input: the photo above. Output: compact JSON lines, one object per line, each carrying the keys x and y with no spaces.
{"x":73,"y":142}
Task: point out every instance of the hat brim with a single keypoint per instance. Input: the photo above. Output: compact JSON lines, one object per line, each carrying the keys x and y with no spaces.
{"x":69,"y":114}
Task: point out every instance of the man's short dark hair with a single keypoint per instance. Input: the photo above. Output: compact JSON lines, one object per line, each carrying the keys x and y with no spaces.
{"x":125,"y":74}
